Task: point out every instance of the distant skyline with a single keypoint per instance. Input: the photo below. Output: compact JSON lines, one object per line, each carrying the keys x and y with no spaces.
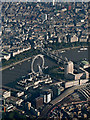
{"x":44,"y":0}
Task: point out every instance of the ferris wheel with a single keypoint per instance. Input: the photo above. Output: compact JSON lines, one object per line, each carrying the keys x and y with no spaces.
{"x":37,"y":64}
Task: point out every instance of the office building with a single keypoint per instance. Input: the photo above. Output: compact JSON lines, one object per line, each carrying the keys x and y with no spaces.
{"x":68,"y":68}
{"x":6,"y":94}
{"x":47,"y":97}
{"x":39,"y":102}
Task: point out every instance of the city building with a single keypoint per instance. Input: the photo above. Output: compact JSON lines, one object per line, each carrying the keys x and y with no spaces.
{"x":84,"y":64}
{"x":14,"y":100}
{"x":71,"y":83}
{"x":38,"y":102}
{"x":6,"y":94}
{"x":69,"y":72}
{"x":56,"y":90}
{"x":68,"y":68}
{"x":47,"y":97}
{"x":19,"y":94}
{"x":74,"y":38}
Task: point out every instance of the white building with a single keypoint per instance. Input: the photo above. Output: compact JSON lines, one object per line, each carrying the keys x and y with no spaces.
{"x":74,"y":39}
{"x":18,"y":102}
{"x":0,"y":33}
{"x":16,"y":52}
{"x":19,"y":94}
{"x":68,"y":67}
{"x":47,"y":97}
{"x":7,"y":57}
{"x":6,"y":94}
{"x":45,"y":16}
{"x":64,"y":9}
{"x":59,"y":39}
{"x":83,"y":81}
{"x":71,"y":83}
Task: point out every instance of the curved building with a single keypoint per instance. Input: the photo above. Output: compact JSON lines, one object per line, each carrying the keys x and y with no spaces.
{"x":68,"y":68}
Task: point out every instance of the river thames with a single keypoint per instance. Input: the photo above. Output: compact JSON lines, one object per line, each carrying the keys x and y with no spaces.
{"x":11,"y":75}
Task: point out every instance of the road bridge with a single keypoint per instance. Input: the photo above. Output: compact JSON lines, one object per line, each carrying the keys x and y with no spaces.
{"x":53,"y":56}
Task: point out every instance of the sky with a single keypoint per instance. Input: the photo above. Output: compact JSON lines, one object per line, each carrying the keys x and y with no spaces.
{"x":44,"y":0}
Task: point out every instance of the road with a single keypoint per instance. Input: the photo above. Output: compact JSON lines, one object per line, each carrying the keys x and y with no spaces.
{"x":9,"y":88}
{"x":59,"y":99}
{"x":70,"y":48}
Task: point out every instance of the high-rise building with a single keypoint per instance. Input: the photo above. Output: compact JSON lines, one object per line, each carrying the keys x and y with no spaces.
{"x":45,"y":16}
{"x":59,"y":39}
{"x":53,"y":2}
{"x":68,"y":67}
{"x":47,"y":97}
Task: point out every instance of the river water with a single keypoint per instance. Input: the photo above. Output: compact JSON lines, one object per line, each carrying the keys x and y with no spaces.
{"x":9,"y":76}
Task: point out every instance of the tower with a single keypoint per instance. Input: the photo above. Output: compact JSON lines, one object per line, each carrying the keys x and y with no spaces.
{"x":29,"y":105}
{"x":53,"y":2}
{"x":45,"y":16}
{"x":68,"y":68}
